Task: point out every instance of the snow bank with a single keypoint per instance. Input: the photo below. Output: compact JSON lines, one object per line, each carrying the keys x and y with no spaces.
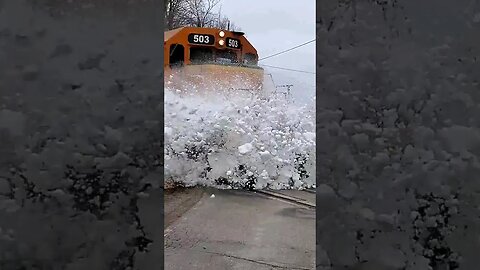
{"x":239,"y":141}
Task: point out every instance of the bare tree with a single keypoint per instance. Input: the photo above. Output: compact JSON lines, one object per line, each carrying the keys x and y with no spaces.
{"x":233,"y":27}
{"x":223,"y":23}
{"x":174,"y":13}
{"x":200,"y":13}
{"x":227,"y":24}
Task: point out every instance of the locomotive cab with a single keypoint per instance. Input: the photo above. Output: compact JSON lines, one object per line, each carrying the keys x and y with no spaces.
{"x":210,"y":58}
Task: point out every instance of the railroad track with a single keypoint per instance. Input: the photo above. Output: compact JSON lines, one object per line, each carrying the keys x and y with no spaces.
{"x":289,"y":198}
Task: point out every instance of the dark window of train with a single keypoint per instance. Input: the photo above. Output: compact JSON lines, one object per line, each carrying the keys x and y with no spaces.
{"x":250,"y":59}
{"x":226,"y":57}
{"x":176,"y":55}
{"x":201,"y":55}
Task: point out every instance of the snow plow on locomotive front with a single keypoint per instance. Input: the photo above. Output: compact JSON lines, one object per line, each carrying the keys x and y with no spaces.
{"x":210,"y":59}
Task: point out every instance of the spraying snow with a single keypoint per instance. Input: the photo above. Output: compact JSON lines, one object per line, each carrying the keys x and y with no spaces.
{"x":239,"y":142}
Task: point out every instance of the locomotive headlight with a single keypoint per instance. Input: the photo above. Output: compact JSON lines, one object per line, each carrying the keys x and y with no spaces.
{"x":221,"y":34}
{"x":221,"y":42}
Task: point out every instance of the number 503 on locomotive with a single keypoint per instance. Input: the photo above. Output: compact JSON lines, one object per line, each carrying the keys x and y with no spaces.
{"x":210,"y":58}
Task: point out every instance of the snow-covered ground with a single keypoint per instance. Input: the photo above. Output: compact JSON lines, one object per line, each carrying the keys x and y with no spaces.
{"x":239,"y":141}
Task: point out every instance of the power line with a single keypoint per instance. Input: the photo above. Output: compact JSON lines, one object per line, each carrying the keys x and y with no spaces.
{"x":289,"y":69}
{"x":293,"y":48}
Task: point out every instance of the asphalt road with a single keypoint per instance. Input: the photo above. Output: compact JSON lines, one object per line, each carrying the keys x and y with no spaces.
{"x":242,"y":230}
{"x":178,"y":201}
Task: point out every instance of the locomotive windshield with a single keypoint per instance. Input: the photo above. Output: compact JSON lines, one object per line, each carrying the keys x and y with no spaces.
{"x":226,"y":57}
{"x":199,"y":55}
{"x":202,"y":55}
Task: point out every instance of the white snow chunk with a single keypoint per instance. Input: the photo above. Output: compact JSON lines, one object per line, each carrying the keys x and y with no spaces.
{"x":212,"y":196}
{"x":309,"y":136}
{"x":168,"y":131}
{"x":245,"y":148}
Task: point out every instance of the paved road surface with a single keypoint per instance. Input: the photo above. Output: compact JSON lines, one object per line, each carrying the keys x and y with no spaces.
{"x":178,"y":201}
{"x":242,"y":230}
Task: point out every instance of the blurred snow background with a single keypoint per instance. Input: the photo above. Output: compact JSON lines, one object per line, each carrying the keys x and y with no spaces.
{"x":399,"y":124}
{"x":80,"y":135}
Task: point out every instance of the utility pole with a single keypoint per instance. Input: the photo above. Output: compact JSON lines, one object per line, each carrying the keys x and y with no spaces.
{"x":288,"y":86}
{"x":219,"y":17}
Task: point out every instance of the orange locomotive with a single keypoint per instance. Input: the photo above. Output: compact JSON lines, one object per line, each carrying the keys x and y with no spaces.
{"x":198,"y":58}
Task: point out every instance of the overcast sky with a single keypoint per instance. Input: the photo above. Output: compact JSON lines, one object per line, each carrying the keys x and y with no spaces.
{"x":273,"y":26}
